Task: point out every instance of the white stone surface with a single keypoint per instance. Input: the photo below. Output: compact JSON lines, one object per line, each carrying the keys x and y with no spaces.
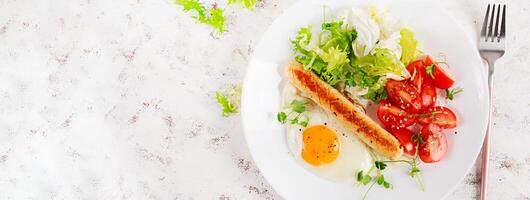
{"x":114,"y":99}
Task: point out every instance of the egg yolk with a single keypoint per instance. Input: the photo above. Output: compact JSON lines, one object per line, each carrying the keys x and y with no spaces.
{"x":320,"y":145}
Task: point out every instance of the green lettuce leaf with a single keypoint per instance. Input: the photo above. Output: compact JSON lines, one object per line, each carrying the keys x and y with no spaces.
{"x":216,"y":19}
{"x":213,"y":18}
{"x":249,"y":4}
{"x":308,"y":58}
{"x":409,"y":46}
{"x":329,"y":57}
{"x":370,"y":72}
{"x":333,"y":60}
{"x":377,"y":92}
{"x":380,"y":63}
{"x":189,"y":5}
{"x":357,"y":77}
{"x":228,"y":107}
{"x":337,"y":35}
{"x":333,"y":71}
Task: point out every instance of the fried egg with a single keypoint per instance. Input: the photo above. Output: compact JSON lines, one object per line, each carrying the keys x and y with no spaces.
{"x":325,"y":147}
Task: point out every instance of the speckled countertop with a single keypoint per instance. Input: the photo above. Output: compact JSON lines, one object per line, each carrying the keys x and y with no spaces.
{"x":114,"y":99}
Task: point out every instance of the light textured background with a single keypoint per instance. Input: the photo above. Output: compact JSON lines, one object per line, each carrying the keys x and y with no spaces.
{"x":113,"y":99}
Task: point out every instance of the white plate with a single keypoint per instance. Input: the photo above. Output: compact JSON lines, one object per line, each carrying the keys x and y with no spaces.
{"x":265,"y":137}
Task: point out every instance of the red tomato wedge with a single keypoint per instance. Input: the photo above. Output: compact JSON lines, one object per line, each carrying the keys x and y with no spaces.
{"x":427,"y":60}
{"x":441,"y":75}
{"x":404,"y":136}
{"x":434,"y":146}
{"x":417,"y":72}
{"x":394,"y":117}
{"x":439,"y":115}
{"x":403,"y":95}
{"x":428,"y":95}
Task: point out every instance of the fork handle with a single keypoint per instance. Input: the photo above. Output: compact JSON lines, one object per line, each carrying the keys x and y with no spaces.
{"x":485,"y":145}
{"x":485,"y":159}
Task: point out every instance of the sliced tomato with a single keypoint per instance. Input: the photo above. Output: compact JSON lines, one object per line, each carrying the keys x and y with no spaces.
{"x":394,"y":117}
{"x":427,"y":60}
{"x":441,"y":75}
{"x":439,"y":115}
{"x":428,"y":95}
{"x":403,"y":95}
{"x":417,"y":72}
{"x":434,"y":146}
{"x":404,"y":137}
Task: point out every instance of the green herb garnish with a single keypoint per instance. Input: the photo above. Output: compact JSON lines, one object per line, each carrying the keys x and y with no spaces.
{"x":214,"y":17}
{"x":451,"y":93}
{"x":414,"y":171}
{"x":282,"y":117}
{"x":296,"y":107}
{"x":430,"y":70}
{"x":378,"y":178}
{"x":380,"y":165}
{"x":364,"y":178}
{"x":430,"y":114}
{"x":381,"y":181}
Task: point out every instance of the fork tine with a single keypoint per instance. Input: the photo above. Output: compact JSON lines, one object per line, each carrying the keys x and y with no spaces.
{"x":485,"y":23}
{"x":496,"y":30}
{"x":490,"y":20}
{"x":503,"y":21}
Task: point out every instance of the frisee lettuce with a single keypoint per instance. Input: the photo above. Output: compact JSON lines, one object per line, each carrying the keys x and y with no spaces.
{"x":370,"y":72}
{"x":337,"y":35}
{"x":357,"y":77}
{"x":214,"y":17}
{"x":229,"y":100}
{"x":228,"y":107}
{"x":377,"y":92}
{"x":380,"y":63}
{"x":330,"y":55}
{"x":249,"y":4}
{"x":333,"y":52}
{"x":303,"y":53}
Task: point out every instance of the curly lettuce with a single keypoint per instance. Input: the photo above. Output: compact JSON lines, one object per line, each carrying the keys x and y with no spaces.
{"x":329,"y":57}
{"x":213,"y":18}
{"x":249,"y":4}
{"x":337,"y":35}
{"x":373,"y":85}
{"x":382,"y":62}
{"x":371,"y":72}
{"x":304,"y":54}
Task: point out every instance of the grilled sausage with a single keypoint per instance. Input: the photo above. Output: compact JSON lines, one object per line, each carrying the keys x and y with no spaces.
{"x":336,"y":103}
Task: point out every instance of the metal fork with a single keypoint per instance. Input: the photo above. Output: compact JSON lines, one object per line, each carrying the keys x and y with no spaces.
{"x":491,"y":46}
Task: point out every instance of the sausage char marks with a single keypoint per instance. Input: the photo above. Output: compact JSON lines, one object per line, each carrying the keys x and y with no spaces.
{"x":335,"y":102}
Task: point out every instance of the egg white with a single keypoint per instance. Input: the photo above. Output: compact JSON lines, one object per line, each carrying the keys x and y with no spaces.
{"x":353,"y":156}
